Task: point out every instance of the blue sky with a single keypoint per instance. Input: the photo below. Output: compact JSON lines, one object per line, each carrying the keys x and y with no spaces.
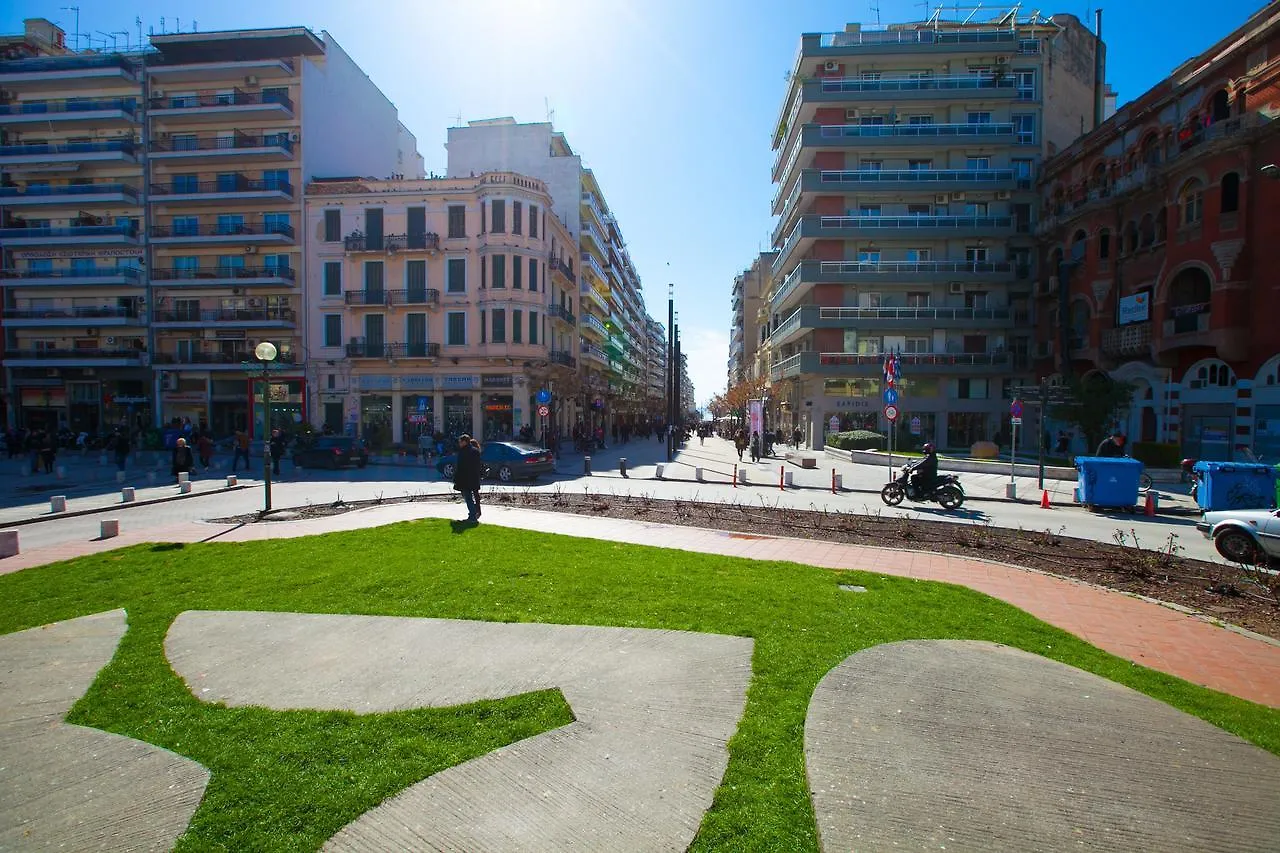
{"x":671,"y":102}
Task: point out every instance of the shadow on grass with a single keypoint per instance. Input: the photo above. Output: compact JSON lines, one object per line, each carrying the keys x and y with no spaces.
{"x":168,"y":546}
{"x":463,"y":526}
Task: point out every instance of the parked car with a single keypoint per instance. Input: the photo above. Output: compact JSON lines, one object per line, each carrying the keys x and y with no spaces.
{"x":332,"y":451}
{"x":506,"y":460}
{"x":1244,"y":535}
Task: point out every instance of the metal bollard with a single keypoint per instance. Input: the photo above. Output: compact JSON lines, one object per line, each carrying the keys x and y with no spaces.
{"x":8,"y":543}
{"x":109,"y":529}
{"x":127,"y":494}
{"x":586,"y":464}
{"x":735,"y":476}
{"x":658,"y":475}
{"x":184,"y":487}
{"x":58,"y":503}
{"x":622,"y":466}
{"x":231,"y":480}
{"x":782,"y":482}
{"x":837,"y":483}
{"x":1011,"y":491}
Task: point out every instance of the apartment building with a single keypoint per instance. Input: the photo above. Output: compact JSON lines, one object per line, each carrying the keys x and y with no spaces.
{"x":615,"y":371}
{"x":655,"y":366}
{"x":906,"y":166}
{"x":441,"y":305}
{"x":747,"y":298}
{"x":151,"y":206}
{"x":1161,"y":236}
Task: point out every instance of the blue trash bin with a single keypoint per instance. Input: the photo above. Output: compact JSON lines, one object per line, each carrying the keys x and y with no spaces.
{"x":1235,"y":485}
{"x":1108,"y":481}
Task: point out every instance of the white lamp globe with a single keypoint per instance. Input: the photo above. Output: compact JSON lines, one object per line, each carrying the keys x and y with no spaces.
{"x":265,"y":351}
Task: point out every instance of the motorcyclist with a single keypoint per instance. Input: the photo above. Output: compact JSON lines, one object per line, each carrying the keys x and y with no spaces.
{"x":924,"y":474}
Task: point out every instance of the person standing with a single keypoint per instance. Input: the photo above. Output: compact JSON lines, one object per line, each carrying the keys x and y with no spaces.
{"x":755,"y":446}
{"x":241,"y":451}
{"x":49,"y":451}
{"x":1111,"y":447}
{"x":276,"y":447}
{"x":466,"y":476}
{"x":183,"y":460}
{"x":120,"y":444}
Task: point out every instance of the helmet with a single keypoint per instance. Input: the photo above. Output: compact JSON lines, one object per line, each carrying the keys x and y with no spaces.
{"x":928,"y":448}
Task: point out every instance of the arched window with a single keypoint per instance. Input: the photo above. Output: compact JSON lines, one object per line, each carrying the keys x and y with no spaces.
{"x":1079,"y":242}
{"x":1190,"y":294}
{"x":1151,"y":150}
{"x":1104,"y":244}
{"x":1147,"y":231}
{"x":1230,"y":192}
{"x":1220,"y":107}
{"x":1130,"y":243}
{"x":1162,"y":227}
{"x":1191,"y":203}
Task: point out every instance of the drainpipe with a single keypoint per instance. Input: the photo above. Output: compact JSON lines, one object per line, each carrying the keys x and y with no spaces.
{"x":1099,"y":70}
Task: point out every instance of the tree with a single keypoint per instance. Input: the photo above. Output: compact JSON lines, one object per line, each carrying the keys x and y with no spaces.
{"x":1094,"y":405}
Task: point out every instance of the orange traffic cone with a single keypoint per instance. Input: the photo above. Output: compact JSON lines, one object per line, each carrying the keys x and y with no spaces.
{"x":1151,"y":505}
{"x":1044,"y":500}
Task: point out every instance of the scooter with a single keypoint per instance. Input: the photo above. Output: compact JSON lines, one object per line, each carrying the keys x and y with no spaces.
{"x":946,"y":491}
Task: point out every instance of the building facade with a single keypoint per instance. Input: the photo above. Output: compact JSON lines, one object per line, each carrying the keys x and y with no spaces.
{"x":440,"y":306}
{"x":749,"y":290}
{"x":615,"y":348}
{"x":1161,"y":237}
{"x":152,"y":205}
{"x":906,"y":168}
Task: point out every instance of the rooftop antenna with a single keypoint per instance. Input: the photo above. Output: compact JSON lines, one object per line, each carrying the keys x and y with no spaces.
{"x":77,"y":33}
{"x":875,"y":7}
{"x":551,"y":114}
{"x":137,"y":22}
{"x":458,"y":118}
{"x":106,"y":36}
{"x":162,"y":29}
{"x":124,"y":33}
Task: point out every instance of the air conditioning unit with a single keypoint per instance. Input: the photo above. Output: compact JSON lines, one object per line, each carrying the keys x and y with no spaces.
{"x":251,"y":80}
{"x":157,"y":93}
{"x":236,"y":291}
{"x":293,"y":137}
{"x":169,"y":382}
{"x":852,"y":114}
{"x":1003,"y":195}
{"x":830,"y":66}
{"x":251,"y":250}
{"x":957,"y":196}
{"x":956,"y":287}
{"x":1002,"y":60}
{"x":257,"y":302}
{"x":940,"y":198}
{"x":111,"y":341}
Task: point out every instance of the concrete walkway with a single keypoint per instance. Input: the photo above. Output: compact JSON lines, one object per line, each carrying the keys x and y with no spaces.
{"x":1147,"y":633}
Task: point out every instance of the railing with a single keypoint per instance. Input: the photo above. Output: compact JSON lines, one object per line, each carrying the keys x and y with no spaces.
{"x":67,"y":63}
{"x":893,"y":222}
{"x":407,"y":242}
{"x":181,"y":273}
{"x":235,"y":357}
{"x":223,"y":143}
{"x":789,"y":366}
{"x":879,"y":38}
{"x":594,"y":351}
{"x":594,"y":322}
{"x":561,"y":267}
{"x":420,"y":349}
{"x":917,"y":359}
{"x":367,"y":297}
{"x":561,"y":313}
{"x":64,"y":354}
{"x":63,"y":107}
{"x":1127,"y":340}
{"x":70,"y":231}
{"x":901,"y":313}
{"x":220,"y":99}
{"x":38,"y":191}
{"x":595,"y":296}
{"x":563,"y":358}
{"x":124,"y":146}
{"x":923,"y":176}
{"x":247,"y":229}
{"x":928,"y":131}
{"x":228,"y":315}
{"x":80,"y":272}
{"x":413,"y":296}
{"x":233,"y":184}
{"x":959,"y":82}
{"x":72,"y":312}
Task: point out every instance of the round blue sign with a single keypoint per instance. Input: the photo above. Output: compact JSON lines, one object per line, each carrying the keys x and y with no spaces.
{"x":890,"y":396}
{"x":544,"y":397}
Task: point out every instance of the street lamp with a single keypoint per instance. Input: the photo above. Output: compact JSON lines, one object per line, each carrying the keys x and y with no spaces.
{"x":266,"y":353}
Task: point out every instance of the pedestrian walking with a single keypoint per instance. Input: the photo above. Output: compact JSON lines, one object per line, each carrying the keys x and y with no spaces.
{"x":740,"y":443}
{"x":183,"y":462}
{"x":755,"y":446}
{"x":795,"y":437}
{"x":49,"y":451}
{"x":120,"y":446}
{"x":241,"y":451}
{"x":466,"y":476}
{"x":276,"y":447}
{"x":204,"y":447}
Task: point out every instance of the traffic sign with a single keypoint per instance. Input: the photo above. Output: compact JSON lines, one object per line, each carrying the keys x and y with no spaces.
{"x":1015,"y":421}
{"x":915,"y":426}
{"x":544,"y":396}
{"x":891,"y":412}
{"x":543,"y":411}
{"x":1016,"y":409}
{"x":890,"y":396}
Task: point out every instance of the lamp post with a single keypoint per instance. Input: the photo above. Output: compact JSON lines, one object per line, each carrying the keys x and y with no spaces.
{"x":671,"y":324}
{"x":266,"y":353}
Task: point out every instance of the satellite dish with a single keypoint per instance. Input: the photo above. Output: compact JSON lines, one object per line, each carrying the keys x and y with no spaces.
{"x":265,"y":351}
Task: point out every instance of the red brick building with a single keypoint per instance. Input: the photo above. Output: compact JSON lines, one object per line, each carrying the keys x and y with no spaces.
{"x":1160,"y":241}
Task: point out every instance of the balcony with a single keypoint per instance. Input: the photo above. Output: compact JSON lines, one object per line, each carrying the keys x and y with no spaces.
{"x":73,"y":357}
{"x":429,"y":242}
{"x":226,"y":188}
{"x":806,"y":318}
{"x":67,"y":72}
{"x":814,"y":227}
{"x":68,"y":313}
{"x":71,"y":235}
{"x":595,"y":355}
{"x":212,"y":234}
{"x":593,"y":324}
{"x":59,"y":153}
{"x":217,"y":106}
{"x":211,"y":149}
{"x":593,"y":295}
{"x":1188,"y":327}
{"x":233,"y":360}
{"x":592,"y":236}
{"x":559,"y":267}
{"x":897,"y":90}
{"x":920,"y":180}
{"x":562,"y":358}
{"x":80,"y":277}
{"x":265,"y":68}
{"x":905,"y":135}
{"x":414,"y":296}
{"x":1126,"y":341}
{"x":857,"y":364}
{"x":255,"y":317}
{"x":360,"y":348}
{"x":76,"y":195}
{"x":808,"y":273}
{"x":562,"y":314}
{"x":272,"y":276}
{"x":69,"y":112}
{"x":908,"y":41}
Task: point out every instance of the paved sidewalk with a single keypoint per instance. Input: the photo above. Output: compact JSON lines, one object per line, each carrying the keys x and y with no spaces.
{"x":1147,"y":633}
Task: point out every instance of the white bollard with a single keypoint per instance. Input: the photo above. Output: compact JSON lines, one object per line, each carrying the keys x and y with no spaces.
{"x":184,"y":487}
{"x":742,"y":476}
{"x":127,"y":494}
{"x":231,"y":480}
{"x":786,"y":480}
{"x":839,"y":481}
{"x":8,"y":543}
{"x":183,"y":477}
{"x":109,"y":529}
{"x":58,"y":503}
{"x":119,"y":476}
{"x":1011,"y":491}
{"x":697,"y":474}
{"x":658,"y":475}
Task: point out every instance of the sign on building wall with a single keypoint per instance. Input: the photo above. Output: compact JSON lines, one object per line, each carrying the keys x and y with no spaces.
{"x":1135,"y":308}
{"x":34,"y":254}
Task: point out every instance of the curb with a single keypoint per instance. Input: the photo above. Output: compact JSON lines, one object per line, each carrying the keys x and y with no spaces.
{"x":22,"y":522}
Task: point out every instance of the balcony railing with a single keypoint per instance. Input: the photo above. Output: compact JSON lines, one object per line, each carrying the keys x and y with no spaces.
{"x":230,"y":184}
{"x":563,"y":358}
{"x":41,"y":191}
{"x":941,"y":223}
{"x":235,"y":142}
{"x":130,"y":273}
{"x":236,"y":357}
{"x":182,"y":273}
{"x":595,"y":323}
{"x":121,"y":230}
{"x":72,"y":312}
{"x":561,"y":267}
{"x":429,"y":242}
{"x":952,"y":83}
{"x":222,"y":229}
{"x":67,"y":354}
{"x":916,"y":359}
{"x":366,"y":349}
{"x":414,"y":296}
{"x":123,"y":146}
{"x":921,"y":176}
{"x":1134,"y":339}
{"x":881,"y":38}
{"x":854,"y":314}
{"x":559,"y":312}
{"x":908,"y":131}
{"x":220,"y":99}
{"x":69,"y":106}
{"x":228,"y":315}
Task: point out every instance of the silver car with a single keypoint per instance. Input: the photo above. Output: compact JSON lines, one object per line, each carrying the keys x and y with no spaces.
{"x":1244,"y":535}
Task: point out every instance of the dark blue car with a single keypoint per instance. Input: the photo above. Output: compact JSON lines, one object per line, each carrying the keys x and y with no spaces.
{"x":506,"y":460}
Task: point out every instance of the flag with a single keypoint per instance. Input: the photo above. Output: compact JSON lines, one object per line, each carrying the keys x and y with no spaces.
{"x":892,"y":369}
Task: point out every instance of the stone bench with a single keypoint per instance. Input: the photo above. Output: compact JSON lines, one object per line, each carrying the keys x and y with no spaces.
{"x":803,"y":460}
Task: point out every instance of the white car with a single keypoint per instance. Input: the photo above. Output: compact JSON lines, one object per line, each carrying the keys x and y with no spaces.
{"x":1243,"y":535}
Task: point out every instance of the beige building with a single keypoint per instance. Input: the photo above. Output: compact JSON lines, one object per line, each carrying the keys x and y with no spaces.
{"x":442,"y":305}
{"x":749,"y":290}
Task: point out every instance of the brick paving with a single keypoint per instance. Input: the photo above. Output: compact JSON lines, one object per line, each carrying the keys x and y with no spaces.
{"x":1150,"y":634}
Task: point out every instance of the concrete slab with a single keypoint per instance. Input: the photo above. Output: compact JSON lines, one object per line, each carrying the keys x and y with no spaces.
{"x":73,"y":788}
{"x":636,"y":770}
{"x":975,"y":746}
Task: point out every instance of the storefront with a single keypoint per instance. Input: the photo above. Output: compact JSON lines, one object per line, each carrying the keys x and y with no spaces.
{"x":43,"y":408}
{"x":375,"y":420}
{"x":419,"y":417}
{"x":229,"y":405}
{"x":187,"y":403}
{"x":286,"y":401}
{"x":497,"y":408}
{"x":126,"y":403}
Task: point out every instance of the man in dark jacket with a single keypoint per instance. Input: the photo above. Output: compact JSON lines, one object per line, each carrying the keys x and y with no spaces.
{"x":276,"y":446}
{"x":1111,"y":447}
{"x":184,"y":460}
{"x":466,"y":476}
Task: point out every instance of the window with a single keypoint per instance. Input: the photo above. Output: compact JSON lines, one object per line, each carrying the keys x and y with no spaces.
{"x":185,"y":226}
{"x":484,"y":272}
{"x":517,"y":325}
{"x":979,"y":118}
{"x":868,"y":257}
{"x":1025,"y":81}
{"x":333,"y":330}
{"x":918,"y":345}
{"x":918,"y":299}
{"x":517,"y":273}
{"x":181,"y":183}
{"x":1191,"y":203}
{"x":373,"y":282}
{"x":415,"y":280}
{"x":975,"y":254}
{"x":277,"y":179}
{"x":184,"y":266}
{"x":1024,"y":126}
{"x":533,"y":327}
{"x":868,"y":346}
{"x":415,"y":333}
{"x":456,"y":329}
{"x":498,"y":279}
{"x":919,"y":120}
{"x":919,"y":165}
{"x":517,"y":217}
{"x":482,"y":219}
{"x":333,"y":278}
{"x":230,"y":223}
{"x":275,"y":94}
{"x":971,"y":389}
{"x":533,"y":275}
{"x":184,"y":142}
{"x":872,"y":300}
{"x":499,"y":319}
{"x":871,"y":165}
{"x":373,"y":228}
{"x":484,"y":326}
{"x":976,"y":163}
{"x":456,"y":275}
{"x":499,"y":223}
{"x":276,"y":223}
{"x":1230,"y":193}
{"x":457,"y":221}
{"x":869,"y":210}
{"x":1104,"y":244}
{"x":533,"y":223}
{"x":916,"y":256}
{"x":975,"y":208}
{"x":919,"y":209}
{"x":871,"y":121}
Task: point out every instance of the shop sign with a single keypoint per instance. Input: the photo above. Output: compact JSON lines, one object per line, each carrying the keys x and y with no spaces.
{"x":278,"y":393}
{"x":1135,"y":308}
{"x":499,"y":381}
{"x":853,"y":403}
{"x":419,"y":419}
{"x":184,"y":397}
{"x":52,"y":398}
{"x":458,"y":382}
{"x":35,"y":254}
{"x":375,"y":383}
{"x":127,"y":401}
{"x":421,"y":382}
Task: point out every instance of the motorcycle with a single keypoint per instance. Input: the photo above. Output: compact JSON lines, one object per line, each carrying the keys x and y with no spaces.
{"x":946,"y":490}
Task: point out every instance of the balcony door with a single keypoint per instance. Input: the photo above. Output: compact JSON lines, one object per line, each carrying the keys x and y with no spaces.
{"x":373,"y":228}
{"x":374,"y":287}
{"x":375,"y":334}
{"x":415,"y":334}
{"x":415,"y":275}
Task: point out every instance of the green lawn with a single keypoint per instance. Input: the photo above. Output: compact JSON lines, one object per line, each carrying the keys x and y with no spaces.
{"x":289,"y":780}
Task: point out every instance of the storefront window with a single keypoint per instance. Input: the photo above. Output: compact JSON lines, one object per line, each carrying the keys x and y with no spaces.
{"x":375,"y":420}
{"x":419,"y":417}
{"x":909,"y":438}
{"x":284,"y":397}
{"x":457,"y":415}
{"x":1266,"y":435}
{"x":497,"y":410}
{"x":967,"y":428}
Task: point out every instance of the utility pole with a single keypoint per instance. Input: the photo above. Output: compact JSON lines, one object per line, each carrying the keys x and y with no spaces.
{"x":671,"y":324}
